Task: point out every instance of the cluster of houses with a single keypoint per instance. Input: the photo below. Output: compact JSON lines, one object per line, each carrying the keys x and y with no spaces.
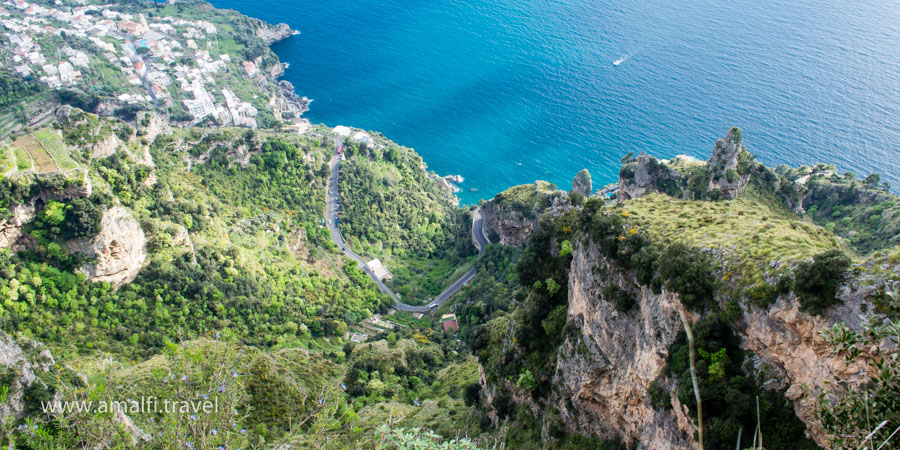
{"x":360,"y":137}
{"x":157,"y":60}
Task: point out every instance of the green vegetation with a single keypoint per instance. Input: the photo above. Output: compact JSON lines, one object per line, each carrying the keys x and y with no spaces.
{"x":816,"y":283}
{"x":862,"y":213}
{"x":13,"y":90}
{"x":864,"y":417}
{"x":729,"y":394}
{"x":56,"y":148}
{"x":392,"y":209}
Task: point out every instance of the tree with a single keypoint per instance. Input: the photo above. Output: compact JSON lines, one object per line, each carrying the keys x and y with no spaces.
{"x":872,"y":181}
{"x":688,"y":273}
{"x":816,"y":283}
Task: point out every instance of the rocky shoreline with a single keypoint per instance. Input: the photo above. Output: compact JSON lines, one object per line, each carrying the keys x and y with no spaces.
{"x":298,"y":104}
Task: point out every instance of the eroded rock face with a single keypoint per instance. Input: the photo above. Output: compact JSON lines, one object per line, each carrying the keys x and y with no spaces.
{"x":106,"y":146}
{"x":723,"y":173}
{"x":513,"y":215}
{"x":119,"y":249}
{"x":609,"y":359}
{"x":152,"y":125}
{"x":582,"y":183}
{"x":513,"y":227}
{"x":28,"y":364}
{"x":788,"y":339}
{"x":274,"y":33}
{"x":12,"y":234}
{"x":642,"y":176}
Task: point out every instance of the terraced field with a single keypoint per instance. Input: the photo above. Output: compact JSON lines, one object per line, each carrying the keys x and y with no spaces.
{"x":7,"y":160}
{"x":56,"y":148}
{"x":43,"y":162}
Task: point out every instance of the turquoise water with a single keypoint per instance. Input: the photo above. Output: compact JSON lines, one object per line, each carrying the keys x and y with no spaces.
{"x":504,"y":93}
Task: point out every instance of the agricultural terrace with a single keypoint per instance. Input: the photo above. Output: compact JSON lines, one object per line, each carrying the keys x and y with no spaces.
{"x":41,"y":160}
{"x":56,"y":148}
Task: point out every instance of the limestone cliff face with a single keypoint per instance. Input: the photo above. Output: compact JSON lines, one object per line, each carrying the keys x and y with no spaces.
{"x":788,"y":339}
{"x":118,"y":251}
{"x":513,"y":227}
{"x":582,"y":183}
{"x":513,"y":215}
{"x":609,"y":358}
{"x":723,"y":173}
{"x":152,"y":125}
{"x":27,"y":362}
{"x":274,"y":33}
{"x":106,"y":146}
{"x":12,"y":233}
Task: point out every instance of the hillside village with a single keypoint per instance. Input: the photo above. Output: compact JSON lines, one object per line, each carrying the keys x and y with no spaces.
{"x":162,"y":61}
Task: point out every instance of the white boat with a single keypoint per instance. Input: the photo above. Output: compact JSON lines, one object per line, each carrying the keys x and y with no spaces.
{"x":619,"y":61}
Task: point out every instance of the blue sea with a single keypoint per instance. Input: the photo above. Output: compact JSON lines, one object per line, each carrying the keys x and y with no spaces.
{"x":504,"y":93}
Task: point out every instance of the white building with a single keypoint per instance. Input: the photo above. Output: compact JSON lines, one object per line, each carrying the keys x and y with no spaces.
{"x":342,"y":131}
{"x":381,"y":272}
{"x":363,"y":138}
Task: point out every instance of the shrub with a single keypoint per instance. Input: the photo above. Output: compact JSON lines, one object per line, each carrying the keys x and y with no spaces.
{"x":621,"y":299}
{"x":689,"y":274}
{"x":816,"y":283}
{"x":659,"y":397}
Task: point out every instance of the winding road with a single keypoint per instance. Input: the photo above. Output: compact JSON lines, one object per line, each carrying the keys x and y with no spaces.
{"x":332,"y":207}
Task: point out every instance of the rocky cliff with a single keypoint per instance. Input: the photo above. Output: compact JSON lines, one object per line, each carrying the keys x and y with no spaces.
{"x":511,"y":216}
{"x":582,"y":183}
{"x":12,"y":233}
{"x":118,"y":251}
{"x":723,"y":165}
{"x":644,"y":175}
{"x":274,"y":33}
{"x":609,"y":358}
{"x":21,"y":367}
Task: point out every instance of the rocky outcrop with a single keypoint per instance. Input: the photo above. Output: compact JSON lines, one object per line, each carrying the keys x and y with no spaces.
{"x":723,"y":165}
{"x":106,"y":146}
{"x":788,"y":339}
{"x":609,"y":359}
{"x":118,"y":251}
{"x":511,"y":216}
{"x":582,"y":183}
{"x":26,"y":365}
{"x":296,"y":105}
{"x":152,"y":125}
{"x":511,"y":227}
{"x":643,"y":175}
{"x":274,"y":33}
{"x":12,"y":233}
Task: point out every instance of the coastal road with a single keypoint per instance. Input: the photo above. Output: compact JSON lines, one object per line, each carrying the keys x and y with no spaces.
{"x":332,"y":207}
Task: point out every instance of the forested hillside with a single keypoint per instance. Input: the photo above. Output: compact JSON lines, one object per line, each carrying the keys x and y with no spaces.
{"x":394,"y":209}
{"x":189,"y":255}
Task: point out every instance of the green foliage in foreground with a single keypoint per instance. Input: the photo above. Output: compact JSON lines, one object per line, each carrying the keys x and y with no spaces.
{"x":250,"y":398}
{"x":866,"y":417}
{"x":729,"y":394}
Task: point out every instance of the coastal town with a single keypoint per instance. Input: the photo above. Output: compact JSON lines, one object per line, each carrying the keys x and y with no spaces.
{"x":185,"y":66}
